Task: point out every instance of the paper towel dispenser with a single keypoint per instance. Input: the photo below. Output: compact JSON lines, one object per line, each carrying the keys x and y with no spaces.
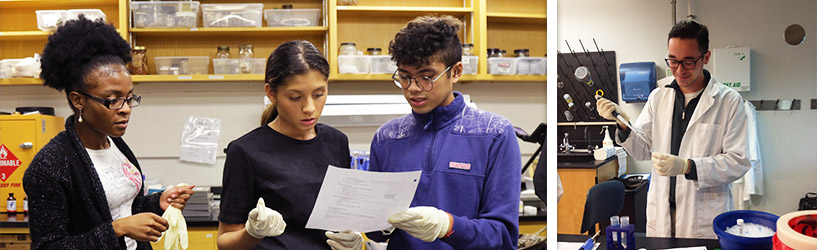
{"x":637,"y":81}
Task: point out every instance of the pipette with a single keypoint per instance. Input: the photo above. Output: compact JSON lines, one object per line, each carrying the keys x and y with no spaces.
{"x":590,"y":243}
{"x":618,"y":116}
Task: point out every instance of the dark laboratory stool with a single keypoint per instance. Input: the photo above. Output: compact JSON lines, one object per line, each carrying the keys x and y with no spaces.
{"x":635,"y":201}
{"x":603,"y":201}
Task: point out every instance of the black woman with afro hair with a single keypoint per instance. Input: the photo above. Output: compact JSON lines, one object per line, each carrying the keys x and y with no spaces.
{"x":85,"y":187}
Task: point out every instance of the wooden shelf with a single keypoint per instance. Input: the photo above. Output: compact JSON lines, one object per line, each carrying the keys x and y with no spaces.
{"x":21,"y":81}
{"x":251,"y":31}
{"x":52,"y":3}
{"x":23,"y":35}
{"x":512,"y":78}
{"x":518,"y":17}
{"x":465,"y":78}
{"x":198,"y":78}
{"x":400,"y":10}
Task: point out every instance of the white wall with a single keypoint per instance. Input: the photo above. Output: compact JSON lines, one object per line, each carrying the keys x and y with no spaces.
{"x":637,"y":31}
{"x":155,"y":129}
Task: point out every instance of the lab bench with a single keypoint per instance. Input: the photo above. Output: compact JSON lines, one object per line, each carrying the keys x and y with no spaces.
{"x":202,"y":234}
{"x":577,"y":179}
{"x":645,"y":242}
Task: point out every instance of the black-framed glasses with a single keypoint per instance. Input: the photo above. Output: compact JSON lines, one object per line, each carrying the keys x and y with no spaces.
{"x":687,"y":64}
{"x":425,"y":83}
{"x":116,"y":103}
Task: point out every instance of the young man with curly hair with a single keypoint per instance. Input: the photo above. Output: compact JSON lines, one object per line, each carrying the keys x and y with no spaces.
{"x":468,"y":194}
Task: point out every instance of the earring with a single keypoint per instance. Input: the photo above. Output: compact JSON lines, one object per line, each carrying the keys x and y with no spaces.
{"x":80,"y":116}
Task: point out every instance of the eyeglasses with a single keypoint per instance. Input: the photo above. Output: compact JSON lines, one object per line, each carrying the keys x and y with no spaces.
{"x":116,"y":103}
{"x":425,"y":83}
{"x":688,"y":64}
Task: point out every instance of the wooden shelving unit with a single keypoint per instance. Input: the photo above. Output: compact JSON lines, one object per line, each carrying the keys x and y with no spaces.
{"x":371,"y":23}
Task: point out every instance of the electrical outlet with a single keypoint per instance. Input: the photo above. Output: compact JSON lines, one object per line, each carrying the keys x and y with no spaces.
{"x":813,"y":103}
{"x":795,"y":104}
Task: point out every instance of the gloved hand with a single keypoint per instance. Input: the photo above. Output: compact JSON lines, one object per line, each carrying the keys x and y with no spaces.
{"x":264,"y":222}
{"x":669,"y":165}
{"x":425,"y":223}
{"x":176,"y":234}
{"x":605,"y":109}
{"x":345,"y":240}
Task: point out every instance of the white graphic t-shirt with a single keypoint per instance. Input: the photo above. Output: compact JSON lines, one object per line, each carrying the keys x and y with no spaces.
{"x":120,"y":180}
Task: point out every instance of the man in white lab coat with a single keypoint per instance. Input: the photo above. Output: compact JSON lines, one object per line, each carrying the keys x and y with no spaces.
{"x":694,"y":131}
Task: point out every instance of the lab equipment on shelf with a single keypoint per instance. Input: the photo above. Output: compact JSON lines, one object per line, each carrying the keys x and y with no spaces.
{"x":347,"y":49}
{"x":232,"y":15}
{"x":165,"y":14}
{"x":49,"y":20}
{"x":23,"y":67}
{"x":139,"y":61}
{"x":382,"y":64}
{"x":182,"y":65}
{"x":245,"y":56}
{"x":229,"y":66}
{"x":470,"y":65}
{"x":467,"y":49}
{"x":502,"y":66}
{"x":354,"y":64}
{"x":292,"y":17}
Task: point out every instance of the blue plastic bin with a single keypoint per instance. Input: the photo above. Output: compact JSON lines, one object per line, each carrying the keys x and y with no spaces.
{"x":733,"y":242}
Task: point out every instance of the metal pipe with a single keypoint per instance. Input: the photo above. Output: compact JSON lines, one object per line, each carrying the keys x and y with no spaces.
{"x":673,"y":2}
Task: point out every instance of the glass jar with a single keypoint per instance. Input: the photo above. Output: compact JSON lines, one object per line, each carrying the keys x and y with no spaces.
{"x":347,"y":49}
{"x":522,"y":52}
{"x":223,"y":52}
{"x":374,"y":51}
{"x":286,"y":6}
{"x":467,"y":49}
{"x":245,"y":58}
{"x":493,"y":52}
{"x":502,"y":53}
{"x":139,"y":64}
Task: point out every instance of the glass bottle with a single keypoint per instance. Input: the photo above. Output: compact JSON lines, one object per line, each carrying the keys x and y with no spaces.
{"x":223,"y":52}
{"x":11,"y":204}
{"x":374,"y":51}
{"x":245,"y":58}
{"x":139,"y":63}
{"x":348,"y":49}
{"x":25,"y":204}
{"x":468,"y":49}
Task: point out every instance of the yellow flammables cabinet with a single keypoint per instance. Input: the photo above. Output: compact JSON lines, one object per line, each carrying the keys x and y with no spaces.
{"x":21,"y":137}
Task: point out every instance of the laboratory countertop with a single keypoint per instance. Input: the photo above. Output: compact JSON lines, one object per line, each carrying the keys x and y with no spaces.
{"x":20,"y":220}
{"x":585,"y":164}
{"x":646,"y":242}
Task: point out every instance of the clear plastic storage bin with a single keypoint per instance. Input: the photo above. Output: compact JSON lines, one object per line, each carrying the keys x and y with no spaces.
{"x":532,"y":66}
{"x":382,"y":65}
{"x":502,"y":65}
{"x":24,"y":67}
{"x":470,"y":64}
{"x":353,"y":64}
{"x":165,"y":14}
{"x":182,"y":65}
{"x":292,"y":17}
{"x":232,"y":15}
{"x":90,"y":14}
{"x":47,"y":20}
{"x":231,"y":66}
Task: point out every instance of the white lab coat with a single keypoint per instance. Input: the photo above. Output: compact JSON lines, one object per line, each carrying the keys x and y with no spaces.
{"x":751,"y":183}
{"x":715,"y":140}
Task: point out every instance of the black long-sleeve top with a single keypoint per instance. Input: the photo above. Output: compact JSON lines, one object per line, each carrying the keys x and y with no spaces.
{"x":67,"y":204}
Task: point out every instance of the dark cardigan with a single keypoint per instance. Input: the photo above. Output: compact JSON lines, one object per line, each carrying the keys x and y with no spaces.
{"x":68,"y":208}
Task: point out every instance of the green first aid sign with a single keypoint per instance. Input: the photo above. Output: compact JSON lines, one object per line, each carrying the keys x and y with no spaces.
{"x":732,"y":67}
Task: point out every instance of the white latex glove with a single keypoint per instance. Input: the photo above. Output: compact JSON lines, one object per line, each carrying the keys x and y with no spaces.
{"x":264,"y":222}
{"x":177,"y":227}
{"x":669,"y":165}
{"x":425,"y":223}
{"x":345,"y":240}
{"x":605,"y":109}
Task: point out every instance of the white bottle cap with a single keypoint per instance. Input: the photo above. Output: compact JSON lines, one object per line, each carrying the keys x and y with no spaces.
{"x":625,"y":220}
{"x":614,"y":220}
{"x":740,"y":222}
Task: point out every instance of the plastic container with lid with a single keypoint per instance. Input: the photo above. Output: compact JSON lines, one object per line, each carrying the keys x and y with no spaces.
{"x":467,"y":49}
{"x":730,"y":241}
{"x":232,"y":15}
{"x":353,"y":64}
{"x":502,"y":66}
{"x":182,"y":65}
{"x":231,"y":66}
{"x":382,"y":64}
{"x":181,"y":14}
{"x":533,"y":66}
{"x":48,"y":20}
{"x":90,"y":14}
{"x":470,"y":65}
{"x":347,"y":49}
{"x":292,"y":17}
